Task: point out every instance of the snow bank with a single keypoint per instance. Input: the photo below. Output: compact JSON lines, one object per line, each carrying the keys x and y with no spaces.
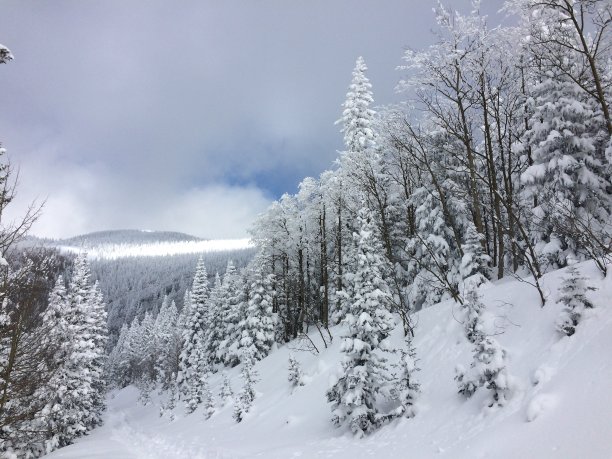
{"x":562,"y":386}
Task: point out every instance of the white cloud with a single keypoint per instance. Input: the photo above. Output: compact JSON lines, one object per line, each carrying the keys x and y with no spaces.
{"x":81,"y":199}
{"x":218,"y":211}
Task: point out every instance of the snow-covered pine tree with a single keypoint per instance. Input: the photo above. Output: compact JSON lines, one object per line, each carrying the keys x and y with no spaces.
{"x":62,"y":416}
{"x":99,"y":333}
{"x":434,"y":259}
{"x":475,"y":262}
{"x":232,"y":311}
{"x":574,"y":299}
{"x":296,"y":375}
{"x":407,"y":388}
{"x":193,"y":360}
{"x":88,"y":322}
{"x":249,"y":377}
{"x":208,"y":400}
{"x":167,"y":407}
{"x":226,"y":393}
{"x":357,"y":115}
{"x":145,"y":354}
{"x":568,"y":176}
{"x":488,"y":367}
{"x":165,"y":337}
{"x":145,"y":386}
{"x":355,"y":175}
{"x":258,"y":326}
{"x":215,"y":332}
{"x":369,"y":323}
{"x":117,"y":365}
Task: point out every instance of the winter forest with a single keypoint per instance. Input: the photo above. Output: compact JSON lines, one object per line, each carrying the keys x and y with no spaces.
{"x":489,"y":185}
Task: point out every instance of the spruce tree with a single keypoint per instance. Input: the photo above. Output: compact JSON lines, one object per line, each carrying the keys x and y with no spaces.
{"x":247,"y":395}
{"x":407,"y":388}
{"x":232,"y":311}
{"x":215,"y":332}
{"x":569,"y":177}
{"x":226,"y":393}
{"x":296,"y":375}
{"x":575,"y":301}
{"x":369,"y":324}
{"x":488,"y":367}
{"x":258,"y":325}
{"x":193,"y":359}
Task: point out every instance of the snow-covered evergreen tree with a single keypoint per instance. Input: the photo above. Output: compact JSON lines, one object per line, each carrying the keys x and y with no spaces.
{"x":369,"y":323}
{"x":226,"y":393}
{"x":249,"y":378}
{"x":166,"y":341}
{"x":193,"y":359}
{"x":169,"y":404}
{"x":574,"y":299}
{"x":232,"y":311}
{"x":88,"y":323}
{"x":488,"y":367}
{"x":357,"y":116}
{"x":215,"y":332}
{"x":407,"y":388}
{"x":63,"y":415}
{"x":208,"y":400}
{"x":568,"y":177}
{"x":258,"y":326}
{"x":474,"y":263}
{"x":296,"y":375}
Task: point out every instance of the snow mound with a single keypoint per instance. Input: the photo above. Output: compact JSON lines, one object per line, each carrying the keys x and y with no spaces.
{"x":561,"y":406}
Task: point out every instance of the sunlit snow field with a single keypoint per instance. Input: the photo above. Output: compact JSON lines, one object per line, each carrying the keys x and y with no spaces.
{"x":114,"y":251}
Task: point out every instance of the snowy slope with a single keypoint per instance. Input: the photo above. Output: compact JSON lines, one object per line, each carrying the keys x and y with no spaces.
{"x":160,"y":249}
{"x":561,"y":408}
{"x":114,"y":244}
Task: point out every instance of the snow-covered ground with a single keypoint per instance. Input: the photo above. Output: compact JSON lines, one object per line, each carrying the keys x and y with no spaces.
{"x":561,"y":408}
{"x":157,"y":249}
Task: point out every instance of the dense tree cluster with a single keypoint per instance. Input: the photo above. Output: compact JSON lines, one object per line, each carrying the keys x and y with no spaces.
{"x":52,"y":354}
{"x":500,"y":167}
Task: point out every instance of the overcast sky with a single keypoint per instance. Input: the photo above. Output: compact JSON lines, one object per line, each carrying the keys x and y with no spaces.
{"x":189,"y":116}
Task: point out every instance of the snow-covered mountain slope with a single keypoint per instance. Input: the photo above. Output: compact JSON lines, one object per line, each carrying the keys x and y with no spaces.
{"x":561,"y":406}
{"x":141,"y":243}
{"x":160,"y":249}
{"x":98,"y":238}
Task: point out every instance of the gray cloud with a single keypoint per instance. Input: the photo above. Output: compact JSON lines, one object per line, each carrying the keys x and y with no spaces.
{"x":124,"y":114}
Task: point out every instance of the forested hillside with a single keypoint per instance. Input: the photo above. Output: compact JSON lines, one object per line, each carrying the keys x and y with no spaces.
{"x":443,"y":288}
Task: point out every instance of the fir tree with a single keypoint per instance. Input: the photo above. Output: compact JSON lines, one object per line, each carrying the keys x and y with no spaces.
{"x":232,"y":311}
{"x":568,"y":177}
{"x":296,"y":375}
{"x":208,"y":398}
{"x":193,"y":358}
{"x":170,"y":403}
{"x":226,"y":393}
{"x":474,"y":263}
{"x":488,"y":367}
{"x":369,"y":324}
{"x":214,"y":334}
{"x":407,"y":389}
{"x":258,"y":325}
{"x":575,"y":301}
{"x":247,"y":394}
